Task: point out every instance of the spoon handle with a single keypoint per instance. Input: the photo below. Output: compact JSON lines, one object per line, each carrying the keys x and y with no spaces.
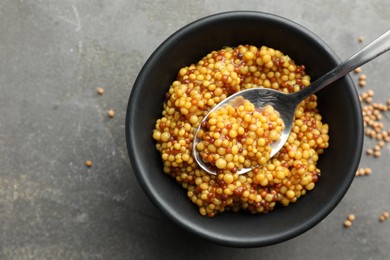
{"x":371,"y":51}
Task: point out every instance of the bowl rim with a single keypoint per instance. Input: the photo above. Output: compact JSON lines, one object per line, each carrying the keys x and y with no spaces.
{"x":162,"y":206}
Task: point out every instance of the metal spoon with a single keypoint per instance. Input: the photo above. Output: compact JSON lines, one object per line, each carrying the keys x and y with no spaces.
{"x":286,"y":104}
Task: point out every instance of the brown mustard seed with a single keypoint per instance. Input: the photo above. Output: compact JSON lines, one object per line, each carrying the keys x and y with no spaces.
{"x":100,"y":91}
{"x":361,"y":39}
{"x":111,"y":113}
{"x":88,"y":163}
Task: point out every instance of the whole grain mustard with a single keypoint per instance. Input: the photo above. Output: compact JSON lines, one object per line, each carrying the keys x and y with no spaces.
{"x":281,"y":179}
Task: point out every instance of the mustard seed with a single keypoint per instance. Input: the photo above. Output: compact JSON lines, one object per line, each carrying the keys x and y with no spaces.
{"x":358,"y":70}
{"x":370,"y":93}
{"x":100,"y":91}
{"x":111,"y":113}
{"x":347,"y":223}
{"x":378,"y":136}
{"x":351,"y":217}
{"x":88,"y":163}
{"x":361,"y":172}
{"x":362,"y":77}
{"x":384,"y":216}
{"x":197,"y":88}
{"x":362,"y":83}
{"x":377,"y":154}
{"x":369,"y":152}
{"x":361,"y":39}
{"x":255,"y":126}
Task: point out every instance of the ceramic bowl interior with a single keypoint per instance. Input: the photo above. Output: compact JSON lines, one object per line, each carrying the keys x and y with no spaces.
{"x":338,"y":103}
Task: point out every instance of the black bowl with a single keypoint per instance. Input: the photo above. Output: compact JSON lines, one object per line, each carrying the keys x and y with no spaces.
{"x":338,"y":103}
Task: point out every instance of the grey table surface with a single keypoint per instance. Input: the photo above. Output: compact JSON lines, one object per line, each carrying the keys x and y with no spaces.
{"x":53,"y":56}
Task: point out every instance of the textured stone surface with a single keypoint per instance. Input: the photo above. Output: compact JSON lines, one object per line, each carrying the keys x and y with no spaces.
{"x":53,"y":56}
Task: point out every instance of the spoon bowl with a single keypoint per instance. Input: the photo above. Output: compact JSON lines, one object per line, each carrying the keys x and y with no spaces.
{"x":259,"y":97}
{"x":286,"y":104}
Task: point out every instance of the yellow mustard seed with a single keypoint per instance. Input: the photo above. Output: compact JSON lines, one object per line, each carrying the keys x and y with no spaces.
{"x":100,"y":91}
{"x":88,"y":163}
{"x":351,"y":217}
{"x":362,"y":83}
{"x":347,"y":223}
{"x":111,"y":113}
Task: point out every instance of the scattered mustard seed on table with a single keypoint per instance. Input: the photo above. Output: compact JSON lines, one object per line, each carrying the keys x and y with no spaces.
{"x":100,"y":91}
{"x":364,"y":172}
{"x":373,"y":120}
{"x":374,"y":128}
{"x":362,"y":77}
{"x":377,"y":154}
{"x":349,"y":220}
{"x":111,"y":113}
{"x":88,"y":163}
{"x":384,"y":216}
{"x":347,"y":223}
{"x":351,"y":217}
